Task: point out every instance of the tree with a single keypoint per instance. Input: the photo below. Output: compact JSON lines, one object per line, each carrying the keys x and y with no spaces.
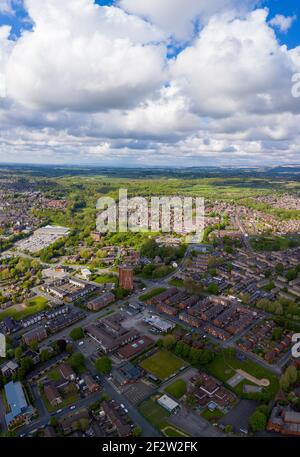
{"x":45,"y":355}
{"x":258,"y":421}
{"x":191,"y":401}
{"x":34,"y":346}
{"x":103,"y":365}
{"x":292,"y":398}
{"x":213,"y":289}
{"x":277,"y":333}
{"x":137,"y":431}
{"x":53,"y":421}
{"x":228,"y":429}
{"x":77,"y":362}
{"x":292,"y":374}
{"x":83,"y":424}
{"x":18,"y":353}
{"x":168,"y":341}
{"x":77,"y":333}
{"x":284,"y":382}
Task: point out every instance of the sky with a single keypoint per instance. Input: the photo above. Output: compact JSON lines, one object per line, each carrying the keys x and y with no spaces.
{"x":150,"y":83}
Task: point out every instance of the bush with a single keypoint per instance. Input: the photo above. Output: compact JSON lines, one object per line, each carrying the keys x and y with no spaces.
{"x":77,"y":333}
{"x":258,"y":421}
{"x":103,"y":365}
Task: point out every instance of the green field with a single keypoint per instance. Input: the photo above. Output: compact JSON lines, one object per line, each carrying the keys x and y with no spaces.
{"x":177,"y":389}
{"x":158,"y":417}
{"x":212,"y":415}
{"x":274,"y":243}
{"x":176,"y":282}
{"x":162,"y":364}
{"x":224,"y":365}
{"x":54,"y":375}
{"x":38,"y":301}
{"x":35,"y":306}
{"x":103,"y":279}
{"x":154,"y":413}
{"x":152,"y":293}
{"x":173,"y":432}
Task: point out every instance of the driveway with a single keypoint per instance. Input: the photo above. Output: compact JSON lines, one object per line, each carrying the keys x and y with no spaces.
{"x":194,"y":424}
{"x":239,"y":415}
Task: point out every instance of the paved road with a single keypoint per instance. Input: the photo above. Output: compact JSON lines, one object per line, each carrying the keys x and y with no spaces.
{"x":147,"y":429}
{"x":45,"y":416}
{"x":108,"y":387}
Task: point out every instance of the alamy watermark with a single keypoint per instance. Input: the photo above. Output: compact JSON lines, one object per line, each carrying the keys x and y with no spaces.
{"x":182,"y":215}
{"x":2,"y":346}
{"x":296,"y":346}
{"x":296,"y":85}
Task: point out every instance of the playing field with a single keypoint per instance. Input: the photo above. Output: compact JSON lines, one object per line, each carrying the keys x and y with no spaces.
{"x":162,"y":364}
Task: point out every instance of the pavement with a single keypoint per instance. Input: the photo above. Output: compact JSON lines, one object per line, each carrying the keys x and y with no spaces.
{"x":194,"y":424}
{"x":238,"y":416}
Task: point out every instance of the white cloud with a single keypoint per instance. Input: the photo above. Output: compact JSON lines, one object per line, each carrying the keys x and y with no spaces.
{"x":6,"y":6}
{"x":177,"y":17}
{"x":5,"y":49}
{"x":93,"y":83}
{"x":237,"y":66}
{"x":283,"y":23}
{"x":84,"y":57}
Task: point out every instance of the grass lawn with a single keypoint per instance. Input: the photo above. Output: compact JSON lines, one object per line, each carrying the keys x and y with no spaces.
{"x":154,"y":413}
{"x":173,"y":432}
{"x":162,"y":364}
{"x":38,"y":301}
{"x":66,"y":402}
{"x":176,"y":282}
{"x":103,"y":279}
{"x":35,"y":306}
{"x":158,"y":417}
{"x":212,"y":415}
{"x":152,"y":293}
{"x":177,"y":389}
{"x":54,"y":375}
{"x":224,"y":365}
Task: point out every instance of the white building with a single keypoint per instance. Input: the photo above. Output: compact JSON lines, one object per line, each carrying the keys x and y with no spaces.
{"x":168,"y":403}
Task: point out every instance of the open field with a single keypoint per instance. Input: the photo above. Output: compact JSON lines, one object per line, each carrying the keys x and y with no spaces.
{"x":152,"y":293}
{"x":35,"y":306}
{"x":158,"y":417}
{"x":177,"y":389}
{"x":154,"y":413}
{"x":162,"y":364}
{"x":103,"y":279}
{"x":225,"y":366}
{"x":173,"y":432}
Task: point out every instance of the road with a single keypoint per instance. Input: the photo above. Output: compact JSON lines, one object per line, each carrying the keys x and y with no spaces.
{"x":239,"y":224}
{"x":108,"y":387}
{"x":45,"y":416}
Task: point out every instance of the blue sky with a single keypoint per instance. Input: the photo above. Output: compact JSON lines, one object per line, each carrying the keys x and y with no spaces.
{"x":190,"y":86}
{"x":20,"y":21}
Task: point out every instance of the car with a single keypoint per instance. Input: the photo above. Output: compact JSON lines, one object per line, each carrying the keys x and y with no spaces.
{"x":80,"y":343}
{"x":58,"y":411}
{"x":126,"y":410}
{"x":122,"y":406}
{"x":72,"y":407}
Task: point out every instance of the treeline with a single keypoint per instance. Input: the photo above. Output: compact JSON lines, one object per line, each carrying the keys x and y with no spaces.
{"x":197,"y":357}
